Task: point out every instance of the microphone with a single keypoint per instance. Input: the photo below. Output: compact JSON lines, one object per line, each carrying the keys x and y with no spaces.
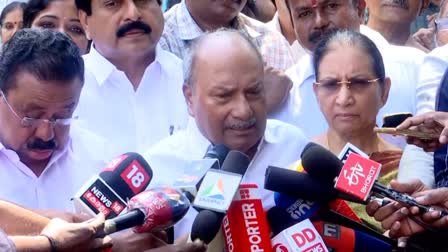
{"x":218,"y":152}
{"x":219,"y":186}
{"x":342,"y":239}
{"x":151,"y":210}
{"x":356,"y":178}
{"x":302,"y":185}
{"x":245,"y":226}
{"x":301,"y":236}
{"x":336,"y":237}
{"x":124,"y":177}
{"x":206,"y":225}
{"x":215,"y":198}
{"x":214,"y":152}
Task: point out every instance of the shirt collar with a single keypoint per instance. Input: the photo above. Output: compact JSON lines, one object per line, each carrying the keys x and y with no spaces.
{"x":101,"y":68}
{"x":190,"y":30}
{"x":12,"y":156}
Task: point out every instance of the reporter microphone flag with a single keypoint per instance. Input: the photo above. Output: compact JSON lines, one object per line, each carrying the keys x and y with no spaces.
{"x":245,"y":227}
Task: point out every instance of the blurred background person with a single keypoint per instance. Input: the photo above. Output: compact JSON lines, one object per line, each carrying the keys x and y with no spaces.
{"x":11,"y":20}
{"x":282,"y":23}
{"x":261,"y":10}
{"x":427,"y":16}
{"x":351,"y":87}
{"x":393,"y":19}
{"x":441,"y":25}
{"x":58,"y":15}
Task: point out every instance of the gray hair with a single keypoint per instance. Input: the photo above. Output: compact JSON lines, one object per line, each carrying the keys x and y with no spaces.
{"x":190,"y":58}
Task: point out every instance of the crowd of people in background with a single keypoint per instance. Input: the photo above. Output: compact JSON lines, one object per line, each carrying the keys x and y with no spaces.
{"x":83,"y":81}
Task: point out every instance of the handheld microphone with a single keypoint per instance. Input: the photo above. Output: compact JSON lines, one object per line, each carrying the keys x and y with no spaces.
{"x":301,"y":236}
{"x":353,"y":180}
{"x":245,"y":226}
{"x":341,"y":239}
{"x":125,"y":176}
{"x":213,"y":193}
{"x":152,"y":210}
{"x":219,"y":186}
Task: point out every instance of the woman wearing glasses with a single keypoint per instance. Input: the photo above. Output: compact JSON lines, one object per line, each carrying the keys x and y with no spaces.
{"x":351,"y":87}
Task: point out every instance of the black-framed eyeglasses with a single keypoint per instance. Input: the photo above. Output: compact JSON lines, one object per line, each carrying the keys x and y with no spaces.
{"x":28,"y":122}
{"x":334,"y":85}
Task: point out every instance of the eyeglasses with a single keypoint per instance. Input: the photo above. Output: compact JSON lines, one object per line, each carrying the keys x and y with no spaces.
{"x":441,"y":24}
{"x":333,"y":85}
{"x":28,"y":122}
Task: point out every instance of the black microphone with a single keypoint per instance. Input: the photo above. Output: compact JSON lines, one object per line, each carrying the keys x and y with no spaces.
{"x":235,"y":162}
{"x":302,"y":185}
{"x":206,"y":225}
{"x":325,"y":166}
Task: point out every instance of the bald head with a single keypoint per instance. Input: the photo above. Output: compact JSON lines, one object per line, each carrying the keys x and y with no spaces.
{"x":225,"y":90}
{"x":214,"y":47}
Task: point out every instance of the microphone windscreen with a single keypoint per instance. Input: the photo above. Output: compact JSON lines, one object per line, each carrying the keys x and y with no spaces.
{"x":298,"y":184}
{"x":163,"y":207}
{"x":218,"y":152}
{"x":127,"y":175}
{"x":236,"y":162}
{"x":206,"y":225}
{"x":308,"y":146}
{"x":278,"y":220}
{"x":321,"y":163}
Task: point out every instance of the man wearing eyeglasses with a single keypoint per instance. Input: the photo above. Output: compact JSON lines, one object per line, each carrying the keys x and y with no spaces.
{"x":41,"y":77}
{"x":314,"y":19}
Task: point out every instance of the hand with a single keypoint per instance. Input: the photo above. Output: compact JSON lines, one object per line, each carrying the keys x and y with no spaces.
{"x":431,"y":122}
{"x":394,"y":216}
{"x":129,"y":241}
{"x":76,"y":236}
{"x":422,"y":39}
{"x":196,"y":246}
{"x":436,"y":198}
{"x":277,"y":86}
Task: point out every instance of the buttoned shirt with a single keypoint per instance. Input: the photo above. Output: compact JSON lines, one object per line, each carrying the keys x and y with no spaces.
{"x":430,"y":74}
{"x":68,"y":169}
{"x":401,"y":65}
{"x":132,"y":120}
{"x":297,"y":50}
{"x":281,"y":145}
{"x":181,"y":29}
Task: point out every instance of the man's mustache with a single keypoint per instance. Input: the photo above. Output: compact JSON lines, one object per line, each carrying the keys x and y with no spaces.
{"x":135,"y":25}
{"x":40,"y":144}
{"x":318,"y":35}
{"x":242,"y":124}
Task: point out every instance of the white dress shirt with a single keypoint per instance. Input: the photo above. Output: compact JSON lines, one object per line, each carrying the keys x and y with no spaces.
{"x":401,"y":65}
{"x":430,"y":75}
{"x":83,"y":157}
{"x":281,"y":146}
{"x":132,"y":121}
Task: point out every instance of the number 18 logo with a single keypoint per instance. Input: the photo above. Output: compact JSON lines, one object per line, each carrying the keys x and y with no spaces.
{"x":135,"y":176}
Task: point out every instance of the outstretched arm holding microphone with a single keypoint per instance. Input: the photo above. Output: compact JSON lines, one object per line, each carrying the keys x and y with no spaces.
{"x":395,"y":217}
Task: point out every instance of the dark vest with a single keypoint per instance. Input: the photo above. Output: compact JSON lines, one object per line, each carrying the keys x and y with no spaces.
{"x":441,"y":155}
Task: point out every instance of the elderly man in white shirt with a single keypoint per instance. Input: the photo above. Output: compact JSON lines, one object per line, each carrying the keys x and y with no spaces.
{"x":311,"y":22}
{"x":133,"y":88}
{"x":225,"y":95}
